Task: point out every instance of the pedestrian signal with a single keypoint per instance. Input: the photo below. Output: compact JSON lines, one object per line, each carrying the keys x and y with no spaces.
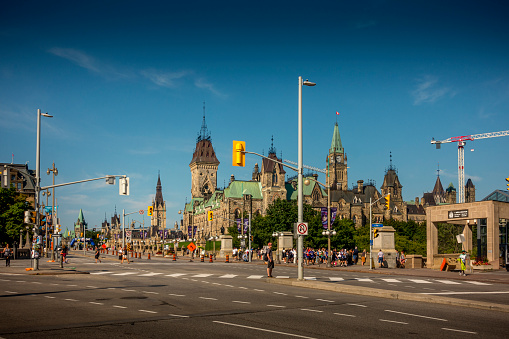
{"x":210,"y":215}
{"x":507,"y":179}
{"x":150,"y":211}
{"x":375,"y":233}
{"x":238,"y":153}
{"x":388,"y":201}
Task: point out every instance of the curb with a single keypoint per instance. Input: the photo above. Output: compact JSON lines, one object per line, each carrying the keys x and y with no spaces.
{"x":373,"y":292}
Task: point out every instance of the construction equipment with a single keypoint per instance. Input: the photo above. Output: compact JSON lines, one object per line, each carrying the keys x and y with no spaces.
{"x":461,"y":140}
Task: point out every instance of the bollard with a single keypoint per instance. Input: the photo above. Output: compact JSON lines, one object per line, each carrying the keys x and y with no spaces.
{"x":202,"y":258}
{"x":174,"y":257}
{"x":210,"y":258}
{"x":227,"y":258}
{"x":148,"y":255}
{"x":136,"y":254}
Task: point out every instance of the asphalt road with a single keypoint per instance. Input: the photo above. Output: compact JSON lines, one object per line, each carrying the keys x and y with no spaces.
{"x":202,"y":300}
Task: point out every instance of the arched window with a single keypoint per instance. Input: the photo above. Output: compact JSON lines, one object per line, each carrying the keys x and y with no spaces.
{"x":237,"y":213}
{"x":274,"y":177}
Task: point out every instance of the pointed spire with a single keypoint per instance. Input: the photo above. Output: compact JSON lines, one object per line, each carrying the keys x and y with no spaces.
{"x":159,"y":192}
{"x":272,"y":149}
{"x":336,"y":146}
{"x":204,"y":132}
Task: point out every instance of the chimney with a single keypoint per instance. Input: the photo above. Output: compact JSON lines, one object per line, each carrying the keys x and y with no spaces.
{"x":416,"y":201}
{"x":360,"y":185}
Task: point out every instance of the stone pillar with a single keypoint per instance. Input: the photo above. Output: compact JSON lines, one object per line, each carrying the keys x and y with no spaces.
{"x":385,"y":242}
{"x":467,"y":233}
{"x":284,"y":241}
{"x":226,"y":246}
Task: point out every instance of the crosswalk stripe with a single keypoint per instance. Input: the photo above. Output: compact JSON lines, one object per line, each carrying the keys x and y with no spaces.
{"x":149,"y":274}
{"x":204,"y":275}
{"x":477,"y":283}
{"x":228,"y":276}
{"x":392,"y":280}
{"x":283,"y":277}
{"x":125,"y":273}
{"x":309,"y":278}
{"x":419,"y":281}
{"x":176,"y":274}
{"x":255,"y":277}
{"x":449,"y":282}
{"x":364,"y":279}
{"x":336,"y":279}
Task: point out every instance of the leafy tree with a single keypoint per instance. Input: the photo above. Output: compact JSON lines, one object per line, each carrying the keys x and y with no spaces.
{"x":12,"y":209}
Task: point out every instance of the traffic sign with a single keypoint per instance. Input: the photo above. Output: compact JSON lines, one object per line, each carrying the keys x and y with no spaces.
{"x":141,"y":211}
{"x":191,"y":247}
{"x":302,"y":228}
{"x":377,"y":225}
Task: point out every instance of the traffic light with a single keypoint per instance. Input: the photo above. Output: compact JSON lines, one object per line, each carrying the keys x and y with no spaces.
{"x":123,"y":186}
{"x":30,"y":217}
{"x":27,"y":217}
{"x":210,"y":215}
{"x":251,"y":238}
{"x":388,"y":201}
{"x":507,"y":179}
{"x":150,"y":211}
{"x":375,"y":233}
{"x":238,"y":155}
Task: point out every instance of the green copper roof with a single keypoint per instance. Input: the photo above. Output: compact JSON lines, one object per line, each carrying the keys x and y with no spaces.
{"x":336,"y":146}
{"x":237,"y":188}
{"x":291,"y":193}
{"x":80,"y":217}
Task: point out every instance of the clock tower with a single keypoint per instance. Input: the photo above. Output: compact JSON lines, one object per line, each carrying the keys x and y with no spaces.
{"x":337,"y":163}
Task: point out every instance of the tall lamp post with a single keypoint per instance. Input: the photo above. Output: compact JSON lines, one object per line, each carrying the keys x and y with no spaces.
{"x":300,"y":196}
{"x":53,"y":170}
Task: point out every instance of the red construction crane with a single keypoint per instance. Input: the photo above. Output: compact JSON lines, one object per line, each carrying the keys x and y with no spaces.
{"x":461,"y":160}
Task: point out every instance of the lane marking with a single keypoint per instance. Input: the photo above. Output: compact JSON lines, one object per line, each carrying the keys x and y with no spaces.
{"x":93,"y":302}
{"x":146,"y":311}
{"x":229,"y":285}
{"x":448,"y":282}
{"x":149,"y":292}
{"x":177,"y":295}
{"x":262,"y":329}
{"x":301,"y":296}
{"x":11,"y":292}
{"x":309,"y":310}
{"x":175,"y":274}
{"x":241,"y":302}
{"x":255,"y":277}
{"x":392,"y":321}
{"x":359,"y":305}
{"x":345,"y":315}
{"x":228,"y":276}
{"x":204,"y":275}
{"x":280,"y":293}
{"x":309,"y":278}
{"x":392,"y":280}
{"x":420,"y":281}
{"x":92,"y":287}
{"x":454,"y":330}
{"x":49,"y":297}
{"x":283,"y":277}
{"x":72,"y":285}
{"x":128,"y":290}
{"x":329,"y":301}
{"x":477,"y":283}
{"x":364,"y":279}
{"x":125,"y":273}
{"x":149,"y":274}
{"x":36,"y":282}
{"x":119,"y":306}
{"x":180,"y":316}
{"x":71,"y":299}
{"x":207,"y":298}
{"x":257,"y":290}
{"x":101,"y":272}
{"x":336,"y":279}
{"x":276,"y":306}
{"x":416,"y":315}
{"x":450,"y":293}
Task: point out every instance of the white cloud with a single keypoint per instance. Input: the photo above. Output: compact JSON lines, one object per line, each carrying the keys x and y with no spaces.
{"x":164,"y":79}
{"x":201,"y":83}
{"x":429,"y":91}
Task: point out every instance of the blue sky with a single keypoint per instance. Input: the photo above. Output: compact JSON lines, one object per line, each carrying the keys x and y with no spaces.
{"x":126,"y":82}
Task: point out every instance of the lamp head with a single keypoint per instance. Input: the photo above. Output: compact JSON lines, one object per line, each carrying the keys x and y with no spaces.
{"x":46,"y":115}
{"x":308,"y":83}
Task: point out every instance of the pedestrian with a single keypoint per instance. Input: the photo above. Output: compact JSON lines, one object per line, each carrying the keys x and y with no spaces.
{"x":64,"y":254}
{"x":463,"y":262}
{"x":270,"y":260}
{"x":97,"y":254}
{"x":7,"y":255}
{"x":402,"y":260}
{"x":355,"y":255}
{"x":124,"y":255}
{"x":380,"y":258}
{"x":363,"y":257}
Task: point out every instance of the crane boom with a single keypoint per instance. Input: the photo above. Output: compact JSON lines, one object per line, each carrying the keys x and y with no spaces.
{"x":461,"y":140}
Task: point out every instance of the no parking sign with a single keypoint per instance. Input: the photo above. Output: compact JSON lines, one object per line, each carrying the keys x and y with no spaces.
{"x":302,"y":228}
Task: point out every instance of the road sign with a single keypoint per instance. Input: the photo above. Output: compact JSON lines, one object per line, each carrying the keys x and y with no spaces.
{"x":302,"y":228}
{"x":191,"y":247}
{"x":371,"y":242}
{"x":142,"y":211}
{"x":377,"y":225}
{"x":128,"y":236}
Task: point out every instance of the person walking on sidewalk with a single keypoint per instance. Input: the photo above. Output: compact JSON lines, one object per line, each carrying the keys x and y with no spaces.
{"x":380,"y":258}
{"x":270,"y":260}
{"x":97,"y":254}
{"x":7,"y":255}
{"x":463,"y":262}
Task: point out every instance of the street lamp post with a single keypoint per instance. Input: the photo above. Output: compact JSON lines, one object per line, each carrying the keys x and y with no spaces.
{"x":38,"y":165}
{"x":300,"y":195}
{"x":53,"y":170}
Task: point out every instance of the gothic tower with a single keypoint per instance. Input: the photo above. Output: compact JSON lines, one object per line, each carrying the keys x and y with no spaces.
{"x":337,"y":163}
{"x":203,"y":165}
{"x":272,"y":179}
{"x":469,"y":191}
{"x":392,"y":185}
{"x":159,"y":213}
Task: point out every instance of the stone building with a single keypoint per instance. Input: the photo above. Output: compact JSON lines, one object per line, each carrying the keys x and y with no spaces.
{"x":21,"y":178}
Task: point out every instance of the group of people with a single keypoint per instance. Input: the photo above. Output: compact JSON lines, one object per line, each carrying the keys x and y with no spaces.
{"x":338,"y":258}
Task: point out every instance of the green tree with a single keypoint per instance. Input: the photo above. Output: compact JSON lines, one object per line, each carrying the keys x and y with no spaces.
{"x":12,"y":208}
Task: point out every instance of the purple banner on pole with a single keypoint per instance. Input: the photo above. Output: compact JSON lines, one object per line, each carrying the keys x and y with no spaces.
{"x":324,"y":216}
{"x":246,"y":225}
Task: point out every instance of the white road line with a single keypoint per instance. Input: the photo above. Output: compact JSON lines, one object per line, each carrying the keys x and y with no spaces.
{"x":228,"y":276}
{"x":21,"y":281}
{"x":420,"y":281}
{"x":147,"y":311}
{"x":92,"y":287}
{"x":125,"y":273}
{"x":359,"y":305}
{"x":255,"y":277}
{"x":280,"y":293}
{"x":111,"y":288}
{"x":119,"y":306}
{"x":71,"y":299}
{"x":345,"y":315}
{"x":175,"y":274}
{"x":128,"y":290}
{"x":364,"y":279}
{"x":336,"y":279}
{"x":72,"y":285}
{"x":54,"y":284}
{"x":477,"y":283}
{"x":92,"y":302}
{"x":177,"y":295}
{"x":204,"y":275}
{"x":180,"y":316}
{"x":257,"y":290}
{"x":49,"y":297}
{"x":392,"y":280}
{"x":276,"y":306}
{"x":392,"y":321}
{"x":451,"y":293}
{"x":448,"y":282}
{"x":283,"y":277}
{"x":262,"y":329}
{"x":149,"y":274}
{"x":207,"y":298}
{"x":454,"y":330}
{"x":241,"y":302}
{"x":11,"y":292}
{"x":309,"y":310}
{"x":36,"y":282}
{"x":329,"y":301}
{"x":101,"y":272}
{"x":416,"y":315}
{"x":309,"y":278}
{"x":242,"y":287}
{"x":229,"y":285}
{"x":301,"y":296}
{"x":149,"y":292}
